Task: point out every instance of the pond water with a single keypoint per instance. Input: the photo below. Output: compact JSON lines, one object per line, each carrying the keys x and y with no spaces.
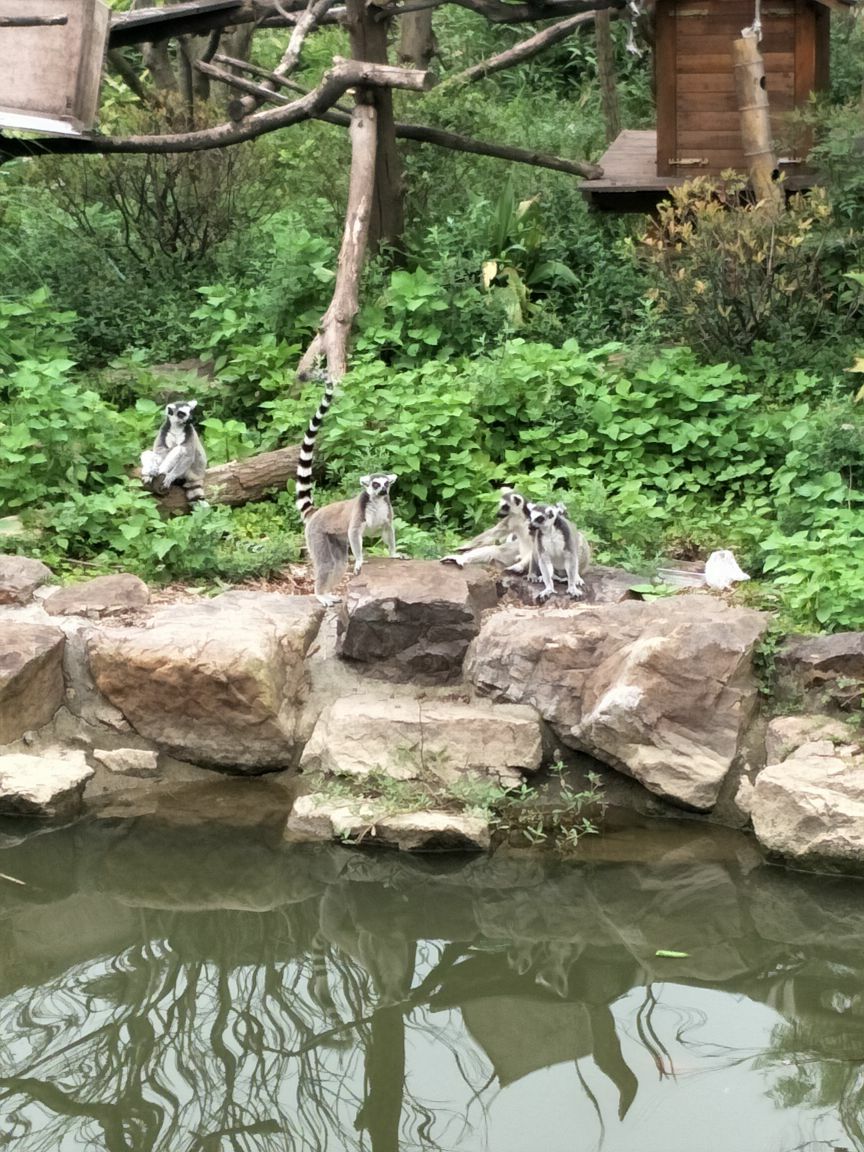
{"x":199,"y":987}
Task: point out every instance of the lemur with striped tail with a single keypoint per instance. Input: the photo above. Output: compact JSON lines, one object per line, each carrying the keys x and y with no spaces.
{"x":333,"y":529}
{"x":177,"y":455}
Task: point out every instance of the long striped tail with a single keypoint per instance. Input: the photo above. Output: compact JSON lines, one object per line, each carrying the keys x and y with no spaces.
{"x":303,"y":485}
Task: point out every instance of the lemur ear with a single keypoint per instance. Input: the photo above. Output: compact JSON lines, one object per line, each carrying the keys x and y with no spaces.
{"x":364,"y":480}
{"x":193,"y":404}
{"x":392,"y":477}
{"x":506,"y":491}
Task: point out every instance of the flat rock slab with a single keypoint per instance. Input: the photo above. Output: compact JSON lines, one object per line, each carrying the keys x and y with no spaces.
{"x":316,"y":817}
{"x":31,"y":677}
{"x":810,"y":808}
{"x":603,"y":585}
{"x":46,"y":786}
{"x":661,"y":690}
{"x":101,"y":596}
{"x":413,"y":619}
{"x":410,"y":738}
{"x":830,"y":666}
{"x":20,"y":576}
{"x":218,"y":682}
{"x":786,"y":733}
{"x":139,"y":763}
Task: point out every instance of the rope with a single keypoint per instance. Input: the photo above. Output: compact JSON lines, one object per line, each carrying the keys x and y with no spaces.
{"x":755,"y":28}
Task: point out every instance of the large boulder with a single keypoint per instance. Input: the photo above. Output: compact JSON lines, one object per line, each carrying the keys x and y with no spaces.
{"x":661,"y":690}
{"x":219,"y":682}
{"x":20,"y":576}
{"x":409,"y":738}
{"x":47,"y":786}
{"x":31,"y":677}
{"x":101,"y":596}
{"x":825,"y":668}
{"x":809,"y":809}
{"x":413,"y":619}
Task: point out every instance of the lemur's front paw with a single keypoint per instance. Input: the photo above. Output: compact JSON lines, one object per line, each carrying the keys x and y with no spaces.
{"x":576,"y":593}
{"x":453,"y":560}
{"x":516,"y":570}
{"x":328,"y":601}
{"x":358,"y":564}
{"x":542,"y":597}
{"x":534,"y":579}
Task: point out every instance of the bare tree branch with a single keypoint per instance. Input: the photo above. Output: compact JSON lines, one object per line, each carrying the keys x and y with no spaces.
{"x":424,"y":134}
{"x":387,"y":11}
{"x":344,"y":75}
{"x":129,"y":76}
{"x":331,"y":340}
{"x":500,"y":12}
{"x":420,"y":133}
{"x":315,"y":9}
{"x":257,"y":70}
{"x":524,"y":50}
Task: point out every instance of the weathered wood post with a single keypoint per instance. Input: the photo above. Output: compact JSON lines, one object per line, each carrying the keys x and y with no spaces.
{"x":606,"y":73}
{"x":755,"y":121}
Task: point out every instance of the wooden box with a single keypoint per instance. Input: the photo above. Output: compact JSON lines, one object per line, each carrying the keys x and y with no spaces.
{"x":51,"y":57}
{"x":698,"y":122}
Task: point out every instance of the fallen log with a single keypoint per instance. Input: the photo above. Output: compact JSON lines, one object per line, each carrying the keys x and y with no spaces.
{"x":238,"y":481}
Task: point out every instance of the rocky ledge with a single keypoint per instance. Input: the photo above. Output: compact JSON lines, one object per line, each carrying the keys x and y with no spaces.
{"x":423,"y":673}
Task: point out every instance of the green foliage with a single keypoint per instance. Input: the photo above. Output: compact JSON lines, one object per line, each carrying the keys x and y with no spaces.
{"x":728,"y":274}
{"x":555,"y":419}
{"x":552,"y":811}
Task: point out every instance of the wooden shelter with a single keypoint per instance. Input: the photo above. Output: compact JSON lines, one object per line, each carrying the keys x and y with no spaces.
{"x":698,"y":120}
{"x":51,"y":56}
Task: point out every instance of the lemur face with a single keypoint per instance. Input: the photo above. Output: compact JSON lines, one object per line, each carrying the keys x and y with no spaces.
{"x":541,"y":517}
{"x":181,"y":411}
{"x":378,"y":484}
{"x":510,"y":501}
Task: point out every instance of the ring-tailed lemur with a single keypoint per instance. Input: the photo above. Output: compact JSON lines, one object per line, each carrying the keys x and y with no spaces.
{"x":333,"y":529}
{"x":177,"y":455}
{"x":508,"y":542}
{"x":557,"y":545}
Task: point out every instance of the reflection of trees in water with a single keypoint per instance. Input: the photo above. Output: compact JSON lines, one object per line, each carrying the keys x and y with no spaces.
{"x":353,"y":1008}
{"x":155,"y":1049}
{"x":819,"y":1080}
{"x":821,"y":1050}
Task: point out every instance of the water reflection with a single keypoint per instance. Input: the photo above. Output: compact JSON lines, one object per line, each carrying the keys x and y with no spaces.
{"x":204,"y":989}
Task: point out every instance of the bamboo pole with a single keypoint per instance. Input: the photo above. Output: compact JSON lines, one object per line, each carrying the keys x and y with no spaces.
{"x":755,"y":121}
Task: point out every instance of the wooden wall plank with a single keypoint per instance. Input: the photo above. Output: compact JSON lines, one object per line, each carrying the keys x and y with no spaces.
{"x":719,"y":41}
{"x":666,"y":82}
{"x":774,"y":62}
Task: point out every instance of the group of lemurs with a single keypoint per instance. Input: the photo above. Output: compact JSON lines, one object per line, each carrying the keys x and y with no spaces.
{"x":529,"y":539}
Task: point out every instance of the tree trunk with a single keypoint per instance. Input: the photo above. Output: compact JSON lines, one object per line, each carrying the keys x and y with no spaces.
{"x":331,"y":340}
{"x":416,"y":39}
{"x":368,"y":38}
{"x":755,"y":121}
{"x":606,"y":74}
{"x":239,"y":481}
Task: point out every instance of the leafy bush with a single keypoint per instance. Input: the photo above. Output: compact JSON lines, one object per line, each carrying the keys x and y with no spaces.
{"x":653,"y":435}
{"x":728,"y":274}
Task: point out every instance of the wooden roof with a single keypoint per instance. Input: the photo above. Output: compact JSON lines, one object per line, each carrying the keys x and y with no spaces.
{"x":195,"y":16}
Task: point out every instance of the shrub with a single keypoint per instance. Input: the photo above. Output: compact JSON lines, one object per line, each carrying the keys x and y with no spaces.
{"x":727,"y":274}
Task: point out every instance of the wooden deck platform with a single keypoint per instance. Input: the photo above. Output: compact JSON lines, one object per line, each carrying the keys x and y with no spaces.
{"x":630,"y":182}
